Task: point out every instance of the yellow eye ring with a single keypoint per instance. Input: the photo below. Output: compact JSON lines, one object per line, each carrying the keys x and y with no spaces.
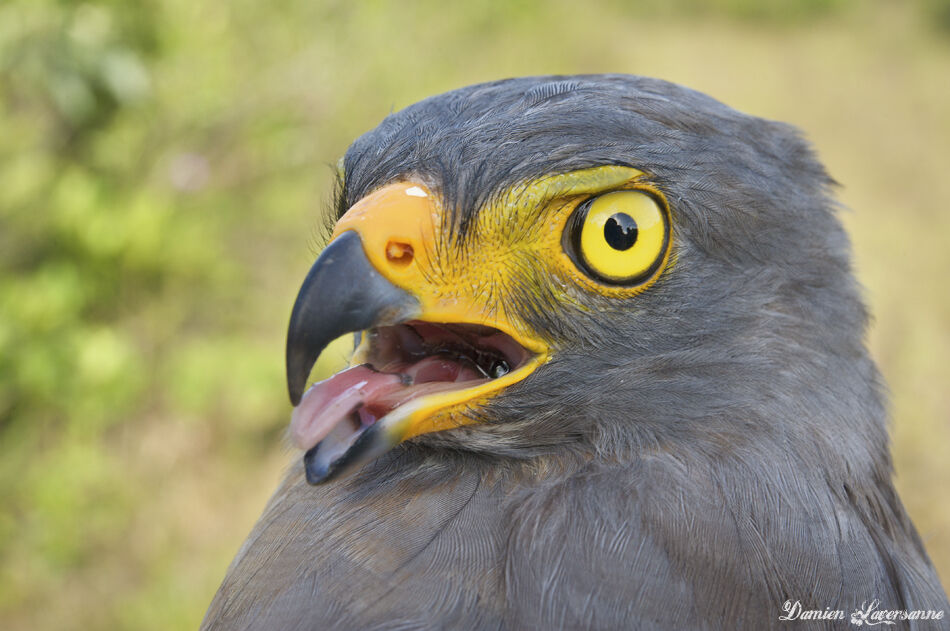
{"x":620,"y":237}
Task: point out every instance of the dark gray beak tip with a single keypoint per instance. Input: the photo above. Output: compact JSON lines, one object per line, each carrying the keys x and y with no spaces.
{"x":316,"y":471}
{"x":326,"y":461}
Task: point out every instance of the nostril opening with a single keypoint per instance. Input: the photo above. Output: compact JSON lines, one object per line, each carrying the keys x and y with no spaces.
{"x":398,"y":253}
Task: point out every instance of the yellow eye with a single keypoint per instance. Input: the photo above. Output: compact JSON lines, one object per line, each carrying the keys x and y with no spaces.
{"x":620,"y":237}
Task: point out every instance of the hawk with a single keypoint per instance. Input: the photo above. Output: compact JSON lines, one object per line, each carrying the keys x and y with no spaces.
{"x":609,"y":373}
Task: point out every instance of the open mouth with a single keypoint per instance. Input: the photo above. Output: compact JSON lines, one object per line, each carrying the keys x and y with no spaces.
{"x":402,"y":367}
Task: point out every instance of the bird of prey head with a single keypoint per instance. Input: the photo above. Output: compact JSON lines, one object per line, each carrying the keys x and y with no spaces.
{"x":598,"y":265}
{"x":615,"y":317}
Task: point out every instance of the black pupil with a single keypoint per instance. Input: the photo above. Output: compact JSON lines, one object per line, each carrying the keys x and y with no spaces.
{"x":620,"y":231}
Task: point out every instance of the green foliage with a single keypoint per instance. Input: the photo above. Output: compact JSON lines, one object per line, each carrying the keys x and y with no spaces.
{"x":772,"y":11}
{"x":163,"y":165}
{"x":121,"y":296}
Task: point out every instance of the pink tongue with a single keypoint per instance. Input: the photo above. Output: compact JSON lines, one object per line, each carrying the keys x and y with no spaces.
{"x":326,"y":403}
{"x":373,"y":394}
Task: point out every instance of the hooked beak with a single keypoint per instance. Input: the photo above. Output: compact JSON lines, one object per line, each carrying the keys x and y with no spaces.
{"x":428,"y":353}
{"x":341,"y":294}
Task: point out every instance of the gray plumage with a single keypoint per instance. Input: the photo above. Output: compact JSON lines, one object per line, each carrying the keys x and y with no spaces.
{"x":690,"y":458}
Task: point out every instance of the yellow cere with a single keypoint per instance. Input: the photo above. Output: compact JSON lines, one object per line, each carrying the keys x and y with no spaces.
{"x":630,"y":260}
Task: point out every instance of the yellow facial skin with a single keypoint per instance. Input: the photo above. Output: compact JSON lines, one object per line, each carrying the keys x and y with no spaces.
{"x":404,"y":237}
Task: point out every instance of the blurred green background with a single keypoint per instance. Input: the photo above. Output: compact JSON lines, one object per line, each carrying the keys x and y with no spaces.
{"x":163,"y":168}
